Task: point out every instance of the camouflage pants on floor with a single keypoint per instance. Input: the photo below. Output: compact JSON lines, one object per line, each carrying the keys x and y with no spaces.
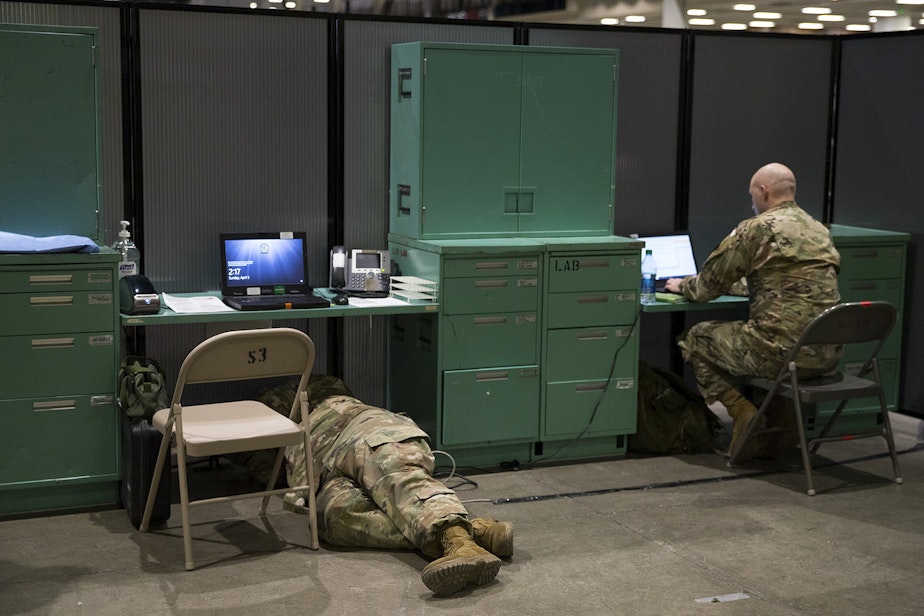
{"x":720,"y":352}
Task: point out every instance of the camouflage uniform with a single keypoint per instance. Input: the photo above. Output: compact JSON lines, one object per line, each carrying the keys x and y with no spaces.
{"x":374,"y":469}
{"x":791,"y":266}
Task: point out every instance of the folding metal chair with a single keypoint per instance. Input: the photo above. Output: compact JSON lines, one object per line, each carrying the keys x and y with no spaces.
{"x":846,"y":324}
{"x":240,"y":425}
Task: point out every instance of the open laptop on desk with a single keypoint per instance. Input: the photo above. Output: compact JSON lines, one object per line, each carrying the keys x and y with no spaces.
{"x":673,"y":253}
{"x":266,"y":271}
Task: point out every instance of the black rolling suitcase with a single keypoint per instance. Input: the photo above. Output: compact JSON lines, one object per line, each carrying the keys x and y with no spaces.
{"x":140,"y":443}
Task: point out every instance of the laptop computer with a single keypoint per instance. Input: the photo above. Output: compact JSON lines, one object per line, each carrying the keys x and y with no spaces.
{"x":673,"y":254}
{"x":266,"y":271}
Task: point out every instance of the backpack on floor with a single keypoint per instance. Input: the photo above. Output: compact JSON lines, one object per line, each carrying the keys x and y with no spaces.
{"x":672,"y":416}
{"x":142,"y":387}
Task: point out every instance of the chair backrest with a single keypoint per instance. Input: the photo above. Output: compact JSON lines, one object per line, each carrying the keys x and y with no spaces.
{"x":248,"y":354}
{"x":849,"y":323}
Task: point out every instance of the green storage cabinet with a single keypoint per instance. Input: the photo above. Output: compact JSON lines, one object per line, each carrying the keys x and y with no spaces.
{"x":873,"y":263}
{"x":59,"y":403}
{"x":506,"y":371}
{"x":49,"y":131}
{"x":502,"y":140}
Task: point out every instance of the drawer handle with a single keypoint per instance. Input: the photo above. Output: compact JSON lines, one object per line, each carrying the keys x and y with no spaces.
{"x":587,"y":263}
{"x":490,"y":320}
{"x":592,"y":299}
{"x":862,"y":286}
{"x":53,"y":343}
{"x":501,"y":375}
{"x":593,"y":336}
{"x":55,"y":405}
{"x":490,"y":284}
{"x":491,"y":265}
{"x":868,"y":254}
{"x":55,"y":300}
{"x":589,"y":387}
{"x":51,"y":279}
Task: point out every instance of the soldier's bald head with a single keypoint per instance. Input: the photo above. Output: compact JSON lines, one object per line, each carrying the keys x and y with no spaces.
{"x":771,"y":185}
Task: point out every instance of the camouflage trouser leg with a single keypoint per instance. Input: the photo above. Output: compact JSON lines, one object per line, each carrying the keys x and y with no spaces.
{"x":348,"y":517}
{"x":718,"y":352}
{"x":397,"y":479}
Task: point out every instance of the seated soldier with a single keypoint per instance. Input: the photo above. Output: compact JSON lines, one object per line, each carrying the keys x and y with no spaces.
{"x":376,"y":489}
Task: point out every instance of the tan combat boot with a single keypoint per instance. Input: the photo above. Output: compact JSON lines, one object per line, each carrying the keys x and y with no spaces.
{"x":463,"y":562}
{"x":742,"y":413}
{"x":496,"y":537}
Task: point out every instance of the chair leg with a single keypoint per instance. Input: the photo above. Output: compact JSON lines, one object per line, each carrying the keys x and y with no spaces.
{"x":890,"y":441}
{"x":312,"y":504}
{"x":184,"y":494}
{"x":803,"y":446}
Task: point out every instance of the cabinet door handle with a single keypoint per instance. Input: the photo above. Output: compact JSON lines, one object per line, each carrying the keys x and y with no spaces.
{"x":55,"y":300}
{"x":490,"y":284}
{"x":499,"y":375}
{"x":592,"y":336}
{"x":592,"y":299}
{"x":589,"y":387}
{"x":404,"y":190}
{"x":491,"y":265}
{"x":586,"y":263}
{"x":53,"y":343}
{"x":490,"y":320}
{"x":404,"y":74}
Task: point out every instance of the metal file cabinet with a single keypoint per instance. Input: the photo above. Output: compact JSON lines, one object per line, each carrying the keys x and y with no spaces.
{"x":502,"y":140}
{"x":534,"y":351}
{"x":873,"y":265}
{"x":60,"y":445}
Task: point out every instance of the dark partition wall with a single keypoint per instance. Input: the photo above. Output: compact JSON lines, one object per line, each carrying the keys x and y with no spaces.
{"x":366,"y":109}
{"x":648,"y":126}
{"x":233,"y":129}
{"x":879,"y":162}
{"x":755,"y":99}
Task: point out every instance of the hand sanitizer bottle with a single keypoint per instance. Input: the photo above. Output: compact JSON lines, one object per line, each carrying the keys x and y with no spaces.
{"x":130,"y":256}
{"x":649,"y":274}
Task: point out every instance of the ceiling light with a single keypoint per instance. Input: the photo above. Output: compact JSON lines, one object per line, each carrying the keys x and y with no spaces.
{"x":744,"y":7}
{"x":699,"y":21}
{"x":290,"y":5}
{"x":815,"y":10}
{"x":696,"y":12}
{"x":761,"y":24}
{"x":767,"y":15}
{"x":883,"y":13}
{"x":909,"y":1}
{"x":635,"y":19}
{"x":810,"y":25}
{"x":609,"y":21}
{"x":831,"y":18}
{"x":734,"y":26}
{"x":275,"y":1}
{"x":857,"y":27}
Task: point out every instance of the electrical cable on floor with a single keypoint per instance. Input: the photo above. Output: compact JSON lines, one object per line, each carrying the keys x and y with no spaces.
{"x":687,"y":482}
{"x":462,"y":480}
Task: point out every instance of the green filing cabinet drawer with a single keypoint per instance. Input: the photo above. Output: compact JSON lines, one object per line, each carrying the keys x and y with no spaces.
{"x":490,"y":294}
{"x":865,"y":289}
{"x":502,"y":339}
{"x":860,"y":262}
{"x":589,"y":353}
{"x":494,"y":405}
{"x":49,"y":313}
{"x":592,"y":272}
{"x":22,"y":280}
{"x":609,"y":408}
{"x":592,"y":308}
{"x":491,"y":266}
{"x":68,"y":438}
{"x":60,"y":364}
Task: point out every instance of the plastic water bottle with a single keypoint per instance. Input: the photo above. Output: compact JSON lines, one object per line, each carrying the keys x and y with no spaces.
{"x":649,"y":274}
{"x":130,"y":256}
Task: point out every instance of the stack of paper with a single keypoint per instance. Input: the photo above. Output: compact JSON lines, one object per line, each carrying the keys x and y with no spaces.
{"x":412,"y":288}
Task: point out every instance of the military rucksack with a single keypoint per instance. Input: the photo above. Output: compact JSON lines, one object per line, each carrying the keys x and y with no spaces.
{"x":672,"y":416}
{"x":142,"y":387}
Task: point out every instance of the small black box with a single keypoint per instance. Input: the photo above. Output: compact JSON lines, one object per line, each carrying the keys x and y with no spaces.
{"x":140,"y":444}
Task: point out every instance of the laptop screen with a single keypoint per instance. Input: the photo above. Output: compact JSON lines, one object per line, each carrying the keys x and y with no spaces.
{"x":264,"y":263}
{"x":673,"y":254}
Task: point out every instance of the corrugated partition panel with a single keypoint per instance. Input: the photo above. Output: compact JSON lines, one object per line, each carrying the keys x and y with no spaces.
{"x":756,"y":99}
{"x":880,"y":156}
{"x":234,"y":138}
{"x":107,"y":20}
{"x":647,"y":120}
{"x":367,"y":66}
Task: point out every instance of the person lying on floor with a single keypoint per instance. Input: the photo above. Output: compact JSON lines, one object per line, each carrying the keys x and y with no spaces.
{"x":376,"y":489}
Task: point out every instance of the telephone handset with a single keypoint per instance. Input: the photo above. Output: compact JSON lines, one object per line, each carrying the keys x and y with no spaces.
{"x":360,"y":270}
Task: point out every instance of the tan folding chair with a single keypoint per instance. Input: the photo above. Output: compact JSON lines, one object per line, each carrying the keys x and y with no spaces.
{"x":847,"y":324}
{"x":241,"y":425}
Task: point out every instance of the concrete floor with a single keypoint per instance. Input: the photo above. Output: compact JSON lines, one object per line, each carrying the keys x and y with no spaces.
{"x":672,"y":535}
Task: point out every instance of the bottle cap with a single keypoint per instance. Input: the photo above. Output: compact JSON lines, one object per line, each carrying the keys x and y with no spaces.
{"x":124,"y":232}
